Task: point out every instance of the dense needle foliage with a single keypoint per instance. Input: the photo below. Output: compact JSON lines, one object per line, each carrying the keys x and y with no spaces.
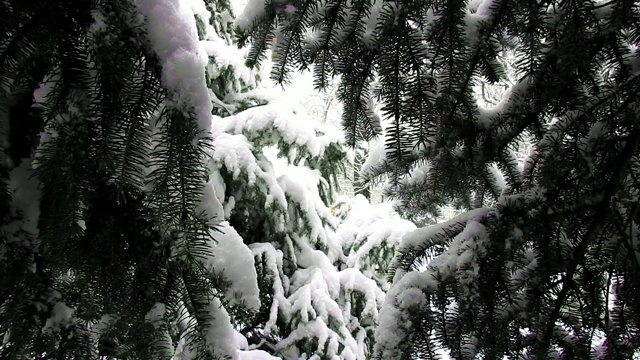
{"x":157,"y":203}
{"x":100,"y":223}
{"x":546,"y":261}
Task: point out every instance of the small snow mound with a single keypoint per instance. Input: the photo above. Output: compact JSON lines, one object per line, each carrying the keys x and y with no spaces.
{"x":155,"y":315}
{"x":255,"y":355}
{"x":61,"y":318}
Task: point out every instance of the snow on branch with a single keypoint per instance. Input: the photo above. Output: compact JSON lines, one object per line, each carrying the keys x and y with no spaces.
{"x":253,"y":11}
{"x":410,"y":293}
{"x":416,"y":243}
{"x":173,"y":36}
{"x":233,"y":260}
{"x":284,"y":125}
{"x":370,"y":235}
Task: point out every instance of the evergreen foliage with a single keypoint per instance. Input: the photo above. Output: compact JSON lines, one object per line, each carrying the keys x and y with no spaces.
{"x":321,"y":278}
{"x":545,"y":261}
{"x":158,"y":204}
{"x":102,"y":176}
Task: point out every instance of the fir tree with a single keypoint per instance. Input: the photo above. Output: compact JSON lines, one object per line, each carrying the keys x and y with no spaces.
{"x":103,"y":246}
{"x":543,"y":262}
{"x":157,"y":204}
{"x":274,"y":173}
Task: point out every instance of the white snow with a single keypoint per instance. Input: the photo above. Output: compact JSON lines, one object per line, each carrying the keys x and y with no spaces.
{"x":290,"y":9}
{"x":473,"y":20}
{"x":487,"y":116}
{"x":320,"y":292}
{"x":498,"y":177}
{"x":466,"y":238}
{"x":220,"y":334}
{"x":418,"y":238}
{"x":61,"y":318}
{"x":233,"y":260}
{"x":284,"y":122}
{"x":484,"y":7}
{"x":210,"y":203}
{"x":376,"y":158}
{"x":25,"y":191}
{"x":235,"y":153}
{"x":240,"y":341}
{"x":98,"y":22}
{"x":473,"y":5}
{"x":352,"y":280}
{"x":255,"y":355}
{"x":274,"y":262}
{"x":173,"y":36}
{"x":369,"y":235}
{"x":253,"y":10}
{"x":222,"y":56}
{"x":105,"y":322}
{"x":301,"y":186}
{"x":417,"y":175}
{"x":156,"y":314}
